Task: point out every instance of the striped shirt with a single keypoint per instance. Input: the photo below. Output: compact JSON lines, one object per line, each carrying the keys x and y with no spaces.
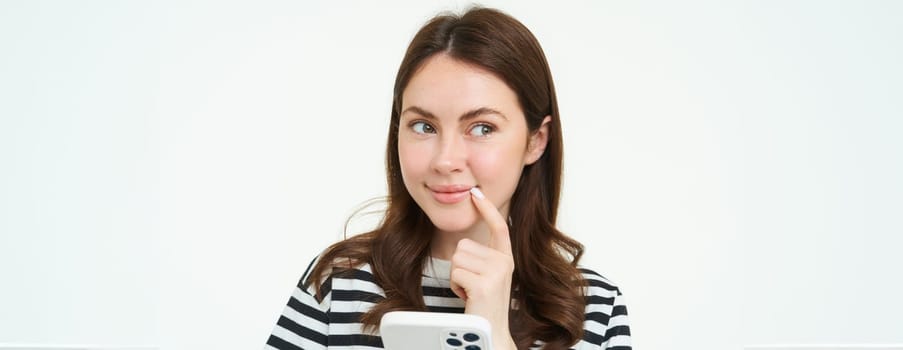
{"x":333,"y":323}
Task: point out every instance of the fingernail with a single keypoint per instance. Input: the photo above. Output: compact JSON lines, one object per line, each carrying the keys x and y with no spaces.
{"x":476,"y":192}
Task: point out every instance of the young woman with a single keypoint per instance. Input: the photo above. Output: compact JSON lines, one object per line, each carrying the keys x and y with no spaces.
{"x":473,"y":164}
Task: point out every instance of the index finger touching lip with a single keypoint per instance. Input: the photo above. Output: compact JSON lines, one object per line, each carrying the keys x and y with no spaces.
{"x":498,"y":226}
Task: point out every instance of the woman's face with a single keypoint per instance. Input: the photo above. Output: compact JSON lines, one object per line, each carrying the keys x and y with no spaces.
{"x":461,"y":127}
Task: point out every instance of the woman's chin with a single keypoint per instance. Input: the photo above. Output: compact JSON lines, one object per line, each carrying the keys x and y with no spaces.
{"x":447,"y":224}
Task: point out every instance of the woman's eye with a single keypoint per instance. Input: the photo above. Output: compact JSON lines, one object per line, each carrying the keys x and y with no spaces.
{"x":422,"y":128}
{"x":481,"y":130}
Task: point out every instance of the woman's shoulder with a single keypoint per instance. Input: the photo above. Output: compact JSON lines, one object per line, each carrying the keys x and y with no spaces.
{"x":339,"y":268}
{"x":606,"y":322}
{"x":340,"y":281}
{"x":599,"y":285}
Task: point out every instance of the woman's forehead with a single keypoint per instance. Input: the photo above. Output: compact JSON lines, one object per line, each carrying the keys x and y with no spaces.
{"x":444,"y":86}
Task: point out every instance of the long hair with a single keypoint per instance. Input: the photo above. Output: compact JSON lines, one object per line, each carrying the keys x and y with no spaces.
{"x":547,"y":288}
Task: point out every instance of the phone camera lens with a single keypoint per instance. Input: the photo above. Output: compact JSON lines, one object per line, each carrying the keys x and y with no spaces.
{"x":471,"y":337}
{"x":455,"y":342}
{"x":472,"y":347}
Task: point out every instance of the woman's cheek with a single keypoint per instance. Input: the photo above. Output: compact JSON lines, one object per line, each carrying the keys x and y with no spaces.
{"x":496,"y":173}
{"x":414,"y":157}
{"x":484,"y":166}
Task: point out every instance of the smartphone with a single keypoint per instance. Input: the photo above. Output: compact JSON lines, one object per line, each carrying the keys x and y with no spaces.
{"x":414,"y":330}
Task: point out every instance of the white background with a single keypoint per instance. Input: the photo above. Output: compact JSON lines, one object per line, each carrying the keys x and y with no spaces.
{"x":170,"y":168}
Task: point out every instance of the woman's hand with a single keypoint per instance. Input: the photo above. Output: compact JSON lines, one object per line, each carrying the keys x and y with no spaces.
{"x":481,"y":275}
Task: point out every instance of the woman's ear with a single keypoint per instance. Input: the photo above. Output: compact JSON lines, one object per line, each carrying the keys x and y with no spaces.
{"x":538,"y":141}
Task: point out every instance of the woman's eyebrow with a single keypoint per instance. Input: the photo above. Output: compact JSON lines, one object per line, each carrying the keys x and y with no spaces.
{"x":466,"y":116}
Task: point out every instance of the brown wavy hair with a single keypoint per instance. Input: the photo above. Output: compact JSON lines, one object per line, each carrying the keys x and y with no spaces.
{"x":547,"y":288}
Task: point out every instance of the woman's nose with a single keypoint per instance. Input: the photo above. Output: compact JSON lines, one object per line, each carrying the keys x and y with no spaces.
{"x":451,"y":156}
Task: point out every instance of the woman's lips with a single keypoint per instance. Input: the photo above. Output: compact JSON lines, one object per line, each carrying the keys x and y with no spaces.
{"x":450,"y":194}
{"x":450,"y":197}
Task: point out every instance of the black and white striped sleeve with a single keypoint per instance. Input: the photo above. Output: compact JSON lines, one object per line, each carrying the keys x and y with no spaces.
{"x":606,"y":326}
{"x":617,"y":334}
{"x":304,"y":323}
